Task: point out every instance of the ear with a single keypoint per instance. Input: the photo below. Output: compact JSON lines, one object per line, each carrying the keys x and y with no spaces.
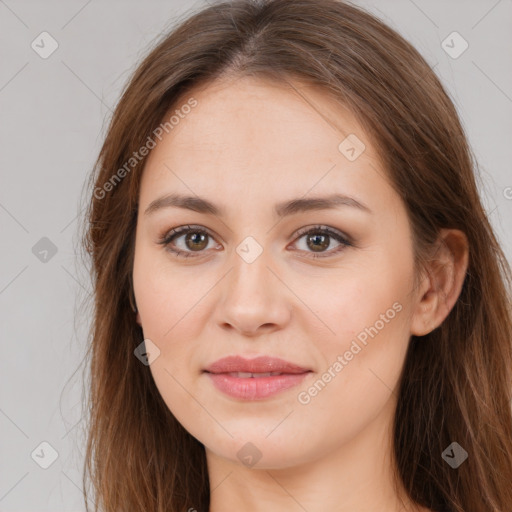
{"x":442,"y":283}
{"x":131,"y":298}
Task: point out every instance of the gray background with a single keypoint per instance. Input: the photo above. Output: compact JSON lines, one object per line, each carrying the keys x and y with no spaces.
{"x":54,"y":113}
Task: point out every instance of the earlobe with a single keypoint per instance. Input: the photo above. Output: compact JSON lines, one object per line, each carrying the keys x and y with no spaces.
{"x":442,"y":283}
{"x":134,"y":307}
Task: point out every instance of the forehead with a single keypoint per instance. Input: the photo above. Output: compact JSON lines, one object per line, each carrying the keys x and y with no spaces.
{"x":236,"y":110}
{"x":247,"y":135}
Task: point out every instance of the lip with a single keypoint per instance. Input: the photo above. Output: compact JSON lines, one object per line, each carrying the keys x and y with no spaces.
{"x":261,"y":364}
{"x":254,"y":388}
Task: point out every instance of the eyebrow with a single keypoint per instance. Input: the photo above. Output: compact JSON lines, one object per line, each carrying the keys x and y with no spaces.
{"x":284,"y":209}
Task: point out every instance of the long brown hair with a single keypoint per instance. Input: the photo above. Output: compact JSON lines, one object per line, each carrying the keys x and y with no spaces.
{"x":456,"y":383}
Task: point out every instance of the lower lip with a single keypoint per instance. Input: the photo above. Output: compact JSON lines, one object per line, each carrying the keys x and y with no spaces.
{"x":255,"y":388}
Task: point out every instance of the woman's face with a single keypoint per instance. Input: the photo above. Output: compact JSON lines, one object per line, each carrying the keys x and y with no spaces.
{"x":261,"y":276}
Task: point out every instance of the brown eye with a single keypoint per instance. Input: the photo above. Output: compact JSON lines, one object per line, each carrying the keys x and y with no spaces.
{"x":318,"y":239}
{"x":318,"y":242}
{"x":196,"y":241}
{"x":186,"y":240}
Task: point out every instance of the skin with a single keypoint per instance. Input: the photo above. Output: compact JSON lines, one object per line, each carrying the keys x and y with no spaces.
{"x":247,"y":145}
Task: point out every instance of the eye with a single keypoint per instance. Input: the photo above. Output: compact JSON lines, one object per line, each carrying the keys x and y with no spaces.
{"x":195,"y":239}
{"x":317,"y":238}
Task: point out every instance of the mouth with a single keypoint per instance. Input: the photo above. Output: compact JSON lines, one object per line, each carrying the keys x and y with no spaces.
{"x":254,"y":379}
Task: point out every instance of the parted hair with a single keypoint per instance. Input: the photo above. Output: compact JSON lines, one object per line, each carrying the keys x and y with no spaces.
{"x":456,"y":381}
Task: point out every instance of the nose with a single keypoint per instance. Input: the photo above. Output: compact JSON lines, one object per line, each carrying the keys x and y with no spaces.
{"x":253,"y":299}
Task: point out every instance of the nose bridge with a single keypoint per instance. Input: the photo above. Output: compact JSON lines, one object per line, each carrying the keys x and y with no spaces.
{"x":251,"y":274}
{"x":252,"y":296}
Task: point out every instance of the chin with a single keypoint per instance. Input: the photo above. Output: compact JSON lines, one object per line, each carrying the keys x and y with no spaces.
{"x":259,"y":450}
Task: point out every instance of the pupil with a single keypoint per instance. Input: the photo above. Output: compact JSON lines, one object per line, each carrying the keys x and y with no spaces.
{"x":323,"y":238}
{"x":196,"y":238}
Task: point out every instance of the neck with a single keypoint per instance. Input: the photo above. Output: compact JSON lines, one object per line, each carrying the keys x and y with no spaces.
{"x":356,"y":477}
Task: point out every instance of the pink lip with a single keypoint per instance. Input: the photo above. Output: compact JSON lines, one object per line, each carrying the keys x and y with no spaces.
{"x":254,"y":388}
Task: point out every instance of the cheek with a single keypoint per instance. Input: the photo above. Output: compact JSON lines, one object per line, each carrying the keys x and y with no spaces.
{"x":165,"y":294}
{"x":170,"y":316}
{"x":170,"y":306}
{"x":364,"y":338}
{"x":362,"y":365}
{"x":344,"y":302}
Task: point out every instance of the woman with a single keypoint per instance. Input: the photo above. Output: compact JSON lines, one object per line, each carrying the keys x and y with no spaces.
{"x":300,"y":302}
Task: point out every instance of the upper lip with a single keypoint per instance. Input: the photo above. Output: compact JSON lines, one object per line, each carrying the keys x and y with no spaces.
{"x":262,"y":364}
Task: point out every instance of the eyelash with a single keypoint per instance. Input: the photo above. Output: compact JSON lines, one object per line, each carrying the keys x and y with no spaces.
{"x":169,"y":236}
